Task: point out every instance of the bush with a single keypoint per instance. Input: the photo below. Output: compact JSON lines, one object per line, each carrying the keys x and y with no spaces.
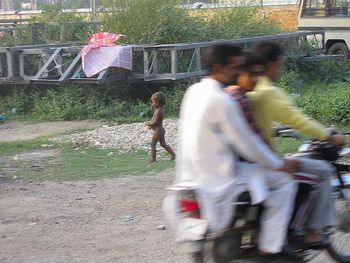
{"x":16,"y":102}
{"x":321,"y":89}
{"x":55,"y":24}
{"x":174,"y":98}
{"x":152,"y":21}
{"x":238,"y":22}
{"x":319,"y":70}
{"x":329,"y":104}
{"x":291,"y":79}
{"x":164,"y":21}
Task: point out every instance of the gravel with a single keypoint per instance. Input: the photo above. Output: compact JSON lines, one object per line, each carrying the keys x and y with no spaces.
{"x":124,"y":137}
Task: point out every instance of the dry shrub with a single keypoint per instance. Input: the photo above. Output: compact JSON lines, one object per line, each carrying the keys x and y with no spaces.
{"x":285,"y":16}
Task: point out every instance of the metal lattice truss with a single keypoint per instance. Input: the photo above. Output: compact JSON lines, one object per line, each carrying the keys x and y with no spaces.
{"x":182,"y":61}
{"x":59,"y":64}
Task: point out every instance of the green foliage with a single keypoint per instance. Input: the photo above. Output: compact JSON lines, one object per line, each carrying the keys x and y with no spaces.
{"x":242,"y":21}
{"x":174,"y":98}
{"x":16,"y":38}
{"x":65,"y":104}
{"x":319,"y":70}
{"x":321,"y":89}
{"x":328,"y":103}
{"x":55,"y":24}
{"x":17,"y":99}
{"x":286,"y":145}
{"x":152,"y":21}
{"x":72,"y":103}
{"x":85,"y":162}
{"x":11,"y":148}
{"x":93,"y":163}
{"x":164,"y":21}
{"x":290,"y":79}
{"x":146,"y":21}
{"x":78,"y":102}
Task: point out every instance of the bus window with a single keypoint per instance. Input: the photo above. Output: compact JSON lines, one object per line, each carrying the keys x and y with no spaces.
{"x":337,"y":7}
{"x":314,"y":8}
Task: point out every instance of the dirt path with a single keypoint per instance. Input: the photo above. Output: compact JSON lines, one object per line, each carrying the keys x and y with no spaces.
{"x":107,"y":221}
{"x":111,"y":220}
{"x":86,"y":221}
{"x":13,"y":131}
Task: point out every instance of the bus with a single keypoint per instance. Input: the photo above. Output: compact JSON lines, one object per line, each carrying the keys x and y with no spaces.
{"x":331,"y":16}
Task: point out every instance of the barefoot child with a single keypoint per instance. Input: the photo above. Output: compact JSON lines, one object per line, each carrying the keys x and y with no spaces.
{"x":156,"y":124}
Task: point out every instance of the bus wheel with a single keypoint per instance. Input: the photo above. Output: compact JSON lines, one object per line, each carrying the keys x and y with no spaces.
{"x":339,"y":49}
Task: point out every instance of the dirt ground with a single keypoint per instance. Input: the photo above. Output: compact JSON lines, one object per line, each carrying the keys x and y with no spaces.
{"x":13,"y":131}
{"x":110,"y":220}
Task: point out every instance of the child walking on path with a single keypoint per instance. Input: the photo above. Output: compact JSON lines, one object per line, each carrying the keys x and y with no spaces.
{"x":156,"y":124}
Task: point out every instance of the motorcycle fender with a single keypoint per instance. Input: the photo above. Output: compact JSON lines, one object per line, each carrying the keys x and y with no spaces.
{"x":190,"y":247}
{"x":191,"y":229}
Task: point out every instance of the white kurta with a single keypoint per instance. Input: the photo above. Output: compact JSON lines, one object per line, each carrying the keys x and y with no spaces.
{"x":213,"y":130}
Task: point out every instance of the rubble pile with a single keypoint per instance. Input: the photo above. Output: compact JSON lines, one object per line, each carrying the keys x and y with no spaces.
{"x":124,"y":137}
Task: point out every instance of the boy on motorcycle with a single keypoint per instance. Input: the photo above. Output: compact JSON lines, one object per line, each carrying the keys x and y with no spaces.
{"x":213,"y":134}
{"x":272,"y":105}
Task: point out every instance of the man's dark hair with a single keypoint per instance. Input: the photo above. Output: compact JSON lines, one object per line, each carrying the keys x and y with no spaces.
{"x":220,"y":54}
{"x":252,"y":59}
{"x":269,"y":51}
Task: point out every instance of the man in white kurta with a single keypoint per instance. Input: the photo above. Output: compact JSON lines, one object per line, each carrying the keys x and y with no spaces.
{"x":213,"y":133}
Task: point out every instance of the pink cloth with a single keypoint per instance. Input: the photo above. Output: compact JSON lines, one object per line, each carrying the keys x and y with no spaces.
{"x":101,"y":39}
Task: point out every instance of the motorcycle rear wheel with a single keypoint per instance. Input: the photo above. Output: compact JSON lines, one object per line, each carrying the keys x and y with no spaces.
{"x":223,"y":249}
{"x":339,"y":247}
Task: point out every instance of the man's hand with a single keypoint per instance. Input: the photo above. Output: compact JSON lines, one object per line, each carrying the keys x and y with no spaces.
{"x":337,"y":139}
{"x":290,"y":166}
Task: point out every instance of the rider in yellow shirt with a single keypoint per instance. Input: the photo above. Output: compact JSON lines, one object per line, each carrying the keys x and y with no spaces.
{"x":270,"y":104}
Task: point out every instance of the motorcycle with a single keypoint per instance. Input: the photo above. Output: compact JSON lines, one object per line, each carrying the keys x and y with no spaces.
{"x":239,"y":242}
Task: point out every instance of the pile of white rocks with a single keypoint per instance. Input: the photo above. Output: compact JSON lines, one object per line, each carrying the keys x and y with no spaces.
{"x":124,"y":137}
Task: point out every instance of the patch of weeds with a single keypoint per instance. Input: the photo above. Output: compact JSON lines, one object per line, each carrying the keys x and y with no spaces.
{"x":10,"y":148}
{"x":286,"y":145}
{"x":93,"y":163}
{"x":72,"y":163}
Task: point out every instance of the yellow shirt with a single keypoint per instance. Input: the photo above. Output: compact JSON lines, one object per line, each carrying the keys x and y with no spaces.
{"x":271,"y":104}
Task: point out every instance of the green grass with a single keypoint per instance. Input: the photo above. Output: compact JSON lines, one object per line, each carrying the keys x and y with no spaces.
{"x":10,"y":148}
{"x":286,"y":145}
{"x":91,"y":163}
{"x":78,"y":163}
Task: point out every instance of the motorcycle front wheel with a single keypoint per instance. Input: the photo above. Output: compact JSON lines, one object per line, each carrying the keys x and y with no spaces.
{"x":339,"y":236}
